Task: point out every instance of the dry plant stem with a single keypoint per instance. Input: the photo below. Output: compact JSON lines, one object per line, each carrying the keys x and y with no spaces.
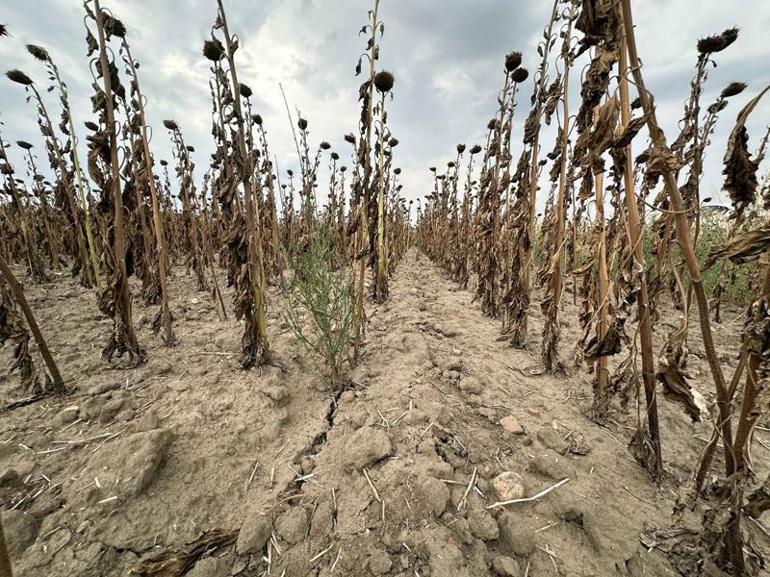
{"x":168,"y":332}
{"x":533,"y":181}
{"x":81,"y":185}
{"x":708,"y":452}
{"x":47,"y":218}
{"x":636,"y":232}
{"x":34,"y":263}
{"x":682,"y":229}
{"x":362,"y":241}
{"x":734,"y":538}
{"x":121,"y":283}
{"x":381,"y":278}
{"x":363,"y":202}
{"x":601,"y":398}
{"x":87,"y":273}
{"x":256,"y":272}
{"x":748,"y":416}
{"x":551,"y":348}
{"x":18,"y":295}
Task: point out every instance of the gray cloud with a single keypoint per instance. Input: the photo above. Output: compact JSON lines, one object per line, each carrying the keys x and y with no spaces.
{"x":447,"y":56}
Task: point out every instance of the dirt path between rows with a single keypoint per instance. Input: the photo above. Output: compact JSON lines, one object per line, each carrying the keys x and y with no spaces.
{"x":392,"y":476}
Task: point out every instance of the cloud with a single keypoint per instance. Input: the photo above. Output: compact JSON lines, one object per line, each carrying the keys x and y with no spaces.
{"x":447,"y":56}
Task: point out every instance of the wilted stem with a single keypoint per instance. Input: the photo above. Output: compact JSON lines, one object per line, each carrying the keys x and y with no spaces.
{"x":18,"y":295}
{"x":636,"y":232}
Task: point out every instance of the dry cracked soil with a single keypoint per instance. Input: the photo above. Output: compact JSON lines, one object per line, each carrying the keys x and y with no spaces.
{"x":189,"y":466}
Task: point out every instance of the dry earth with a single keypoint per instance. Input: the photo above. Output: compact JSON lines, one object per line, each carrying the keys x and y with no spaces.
{"x":188,"y":465}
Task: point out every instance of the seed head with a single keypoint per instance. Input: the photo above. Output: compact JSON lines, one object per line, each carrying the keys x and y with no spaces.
{"x":460,"y":148}
{"x":164,"y":162}
{"x":290,"y":172}
{"x":393,"y":142}
{"x":325,"y":145}
{"x":23,"y":144}
{"x":733,"y":89}
{"x":91,"y":125}
{"x":113,"y":26}
{"x":717,"y":106}
{"x":19,"y":77}
{"x":512,"y":61}
{"x":350,"y":138}
{"x":475,"y":149}
{"x":450,"y":164}
{"x":718,"y":42}
{"x":302,"y":123}
{"x":245,"y":90}
{"x":3,"y":30}
{"x":520,"y":75}
{"x":257,"y":119}
{"x":190,"y":148}
{"x":171,"y":125}
{"x":384,"y":81}
{"x":38,"y":52}
{"x":492,"y":124}
{"x":335,"y":156}
{"x":213,"y":50}
{"x":396,"y":171}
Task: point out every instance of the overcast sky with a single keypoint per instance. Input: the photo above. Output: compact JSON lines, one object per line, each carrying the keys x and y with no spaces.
{"x":447,"y":56}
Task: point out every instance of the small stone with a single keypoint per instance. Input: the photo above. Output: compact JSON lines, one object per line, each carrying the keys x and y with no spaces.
{"x":110,"y":409}
{"x":533,"y":411}
{"x":511,"y":425}
{"x":254,"y":533}
{"x":471,"y":385}
{"x":506,"y":566}
{"x":434,"y":493}
{"x":292,"y":526}
{"x":483,"y":525}
{"x":508,"y":486}
{"x":66,"y":416}
{"x":553,"y":439}
{"x":379,"y":562}
{"x":367,"y":446}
